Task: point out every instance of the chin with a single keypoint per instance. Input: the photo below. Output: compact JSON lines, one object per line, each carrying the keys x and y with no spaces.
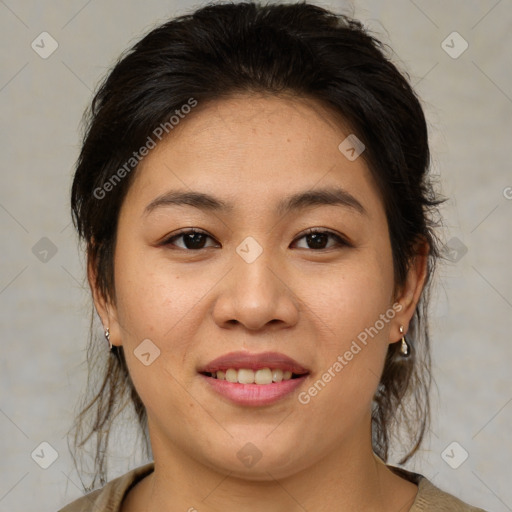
{"x":263,"y":459}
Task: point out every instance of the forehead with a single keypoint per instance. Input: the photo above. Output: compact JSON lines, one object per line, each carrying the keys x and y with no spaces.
{"x":248,"y":147}
{"x":260,"y":121}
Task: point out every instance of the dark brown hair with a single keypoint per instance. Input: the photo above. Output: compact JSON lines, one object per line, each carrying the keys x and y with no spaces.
{"x":226,"y":48}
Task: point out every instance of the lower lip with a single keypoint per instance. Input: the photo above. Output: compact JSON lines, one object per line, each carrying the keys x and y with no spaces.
{"x":254,"y":394}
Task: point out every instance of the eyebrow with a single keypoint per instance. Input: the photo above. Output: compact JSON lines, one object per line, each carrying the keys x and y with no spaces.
{"x":301,"y":200}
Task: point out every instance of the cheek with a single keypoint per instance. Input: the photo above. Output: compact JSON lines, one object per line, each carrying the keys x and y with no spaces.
{"x":154,"y":303}
{"x":356,"y":307}
{"x":350,"y":365}
{"x":152,"y":295}
{"x":356,"y":294}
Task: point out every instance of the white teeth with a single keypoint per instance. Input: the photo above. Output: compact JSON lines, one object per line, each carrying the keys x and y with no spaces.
{"x":247,"y":376}
{"x":277,"y":375}
{"x":232,"y":375}
{"x":263,"y":376}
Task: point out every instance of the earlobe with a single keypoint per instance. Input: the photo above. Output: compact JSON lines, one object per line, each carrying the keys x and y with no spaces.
{"x":413,"y":287}
{"x":105,"y":309}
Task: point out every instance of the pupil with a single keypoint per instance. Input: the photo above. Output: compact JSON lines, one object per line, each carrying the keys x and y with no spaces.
{"x":191,"y":240}
{"x":315,"y":238}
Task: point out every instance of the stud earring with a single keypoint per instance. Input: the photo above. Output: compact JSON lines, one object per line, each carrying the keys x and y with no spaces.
{"x":404,"y":347}
{"x":107,"y":336}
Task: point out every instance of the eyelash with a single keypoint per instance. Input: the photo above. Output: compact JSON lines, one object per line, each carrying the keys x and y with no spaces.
{"x":340,"y":241}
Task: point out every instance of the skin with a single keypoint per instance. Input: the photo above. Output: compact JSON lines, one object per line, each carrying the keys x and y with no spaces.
{"x":308,"y":303}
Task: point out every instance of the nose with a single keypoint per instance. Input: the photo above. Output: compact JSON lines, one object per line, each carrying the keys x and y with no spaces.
{"x":256,"y":295}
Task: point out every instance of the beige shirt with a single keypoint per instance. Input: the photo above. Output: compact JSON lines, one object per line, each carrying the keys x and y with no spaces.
{"x":111,"y":495}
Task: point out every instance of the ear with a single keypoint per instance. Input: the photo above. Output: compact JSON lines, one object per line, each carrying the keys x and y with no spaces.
{"x":104,"y":306}
{"x":410,"y":293}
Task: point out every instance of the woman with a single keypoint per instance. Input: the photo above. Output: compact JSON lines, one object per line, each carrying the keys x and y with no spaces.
{"x":254,"y":197}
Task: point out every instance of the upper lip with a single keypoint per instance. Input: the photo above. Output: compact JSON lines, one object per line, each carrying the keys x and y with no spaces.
{"x":272,"y":360}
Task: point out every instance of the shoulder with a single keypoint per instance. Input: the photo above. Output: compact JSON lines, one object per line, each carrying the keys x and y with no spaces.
{"x":110,"y":496}
{"x":432,"y":499}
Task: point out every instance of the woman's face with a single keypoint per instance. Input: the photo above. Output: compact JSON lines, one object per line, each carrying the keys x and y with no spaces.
{"x":255,"y":283}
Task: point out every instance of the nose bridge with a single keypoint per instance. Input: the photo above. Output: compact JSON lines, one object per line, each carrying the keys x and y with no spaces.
{"x":254,"y":294}
{"x":253,"y":277}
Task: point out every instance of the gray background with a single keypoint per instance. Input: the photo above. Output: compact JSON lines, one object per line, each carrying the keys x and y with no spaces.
{"x":44,"y":307}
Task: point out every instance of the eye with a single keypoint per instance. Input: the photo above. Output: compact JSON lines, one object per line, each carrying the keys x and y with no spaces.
{"x":193,"y":239}
{"x":317,"y":237}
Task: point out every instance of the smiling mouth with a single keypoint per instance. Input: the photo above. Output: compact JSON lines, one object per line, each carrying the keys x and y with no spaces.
{"x":253,"y":388}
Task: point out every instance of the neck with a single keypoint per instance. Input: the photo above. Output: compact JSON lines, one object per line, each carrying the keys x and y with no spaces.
{"x":345,"y":479}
